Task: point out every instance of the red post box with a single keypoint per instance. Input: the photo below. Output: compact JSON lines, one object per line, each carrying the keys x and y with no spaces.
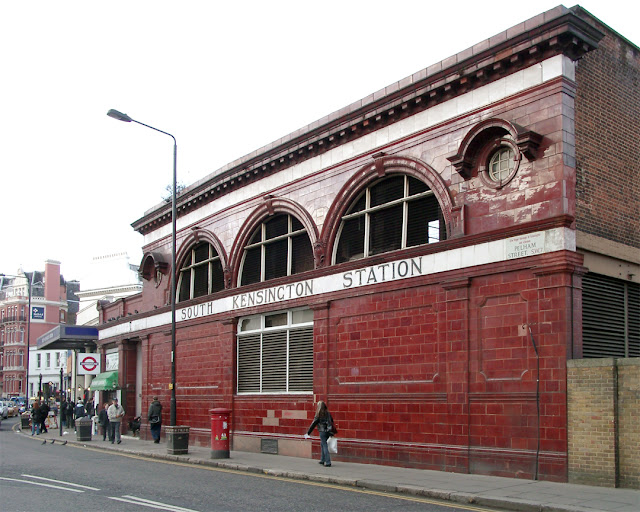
{"x":220,"y":433}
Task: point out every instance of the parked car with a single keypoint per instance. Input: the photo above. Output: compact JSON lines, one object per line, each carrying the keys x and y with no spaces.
{"x":13,"y":409}
{"x":4,"y":410}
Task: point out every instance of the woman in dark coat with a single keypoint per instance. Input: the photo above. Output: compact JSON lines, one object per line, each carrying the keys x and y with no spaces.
{"x":324,"y":422}
{"x":155,"y":419}
{"x":36,"y":418}
{"x":103,"y":420}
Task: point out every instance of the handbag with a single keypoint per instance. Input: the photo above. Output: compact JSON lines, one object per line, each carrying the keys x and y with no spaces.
{"x":332,"y":444}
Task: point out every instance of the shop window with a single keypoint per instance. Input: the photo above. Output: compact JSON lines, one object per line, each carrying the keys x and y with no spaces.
{"x":201,"y":273}
{"x":275,"y":353}
{"x":279,"y":247}
{"x":394,"y":213}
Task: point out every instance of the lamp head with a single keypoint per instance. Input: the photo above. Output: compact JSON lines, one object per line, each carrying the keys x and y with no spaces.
{"x":119,"y":116}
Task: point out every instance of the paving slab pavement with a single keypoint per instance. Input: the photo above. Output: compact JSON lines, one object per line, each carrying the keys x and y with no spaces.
{"x":497,"y":492}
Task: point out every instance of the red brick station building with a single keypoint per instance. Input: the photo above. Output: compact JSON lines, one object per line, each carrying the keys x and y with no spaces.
{"x":426,"y":260}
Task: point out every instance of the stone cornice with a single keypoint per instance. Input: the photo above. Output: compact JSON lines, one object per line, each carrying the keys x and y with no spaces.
{"x":554,"y":32}
{"x":99,"y":292}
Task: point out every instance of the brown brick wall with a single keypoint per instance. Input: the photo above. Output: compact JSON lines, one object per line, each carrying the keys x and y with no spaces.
{"x":604,"y":427}
{"x":629,"y":421}
{"x":607,"y":135}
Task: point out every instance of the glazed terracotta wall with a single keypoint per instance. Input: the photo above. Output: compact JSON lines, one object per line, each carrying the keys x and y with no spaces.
{"x":435,"y":372}
{"x":438,"y":374}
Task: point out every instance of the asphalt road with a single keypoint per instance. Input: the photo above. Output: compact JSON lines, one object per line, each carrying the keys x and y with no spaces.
{"x":52,"y":477}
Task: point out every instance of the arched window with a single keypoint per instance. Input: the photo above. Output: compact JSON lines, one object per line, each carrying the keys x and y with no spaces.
{"x":393,"y":213}
{"x":279,"y":246}
{"x":201,"y":273}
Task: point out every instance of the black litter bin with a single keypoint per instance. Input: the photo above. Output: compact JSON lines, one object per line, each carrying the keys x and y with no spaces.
{"x":25,"y":421}
{"x":83,"y":429}
{"x":177,"y":439}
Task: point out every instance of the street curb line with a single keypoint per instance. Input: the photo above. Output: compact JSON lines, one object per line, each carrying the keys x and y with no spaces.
{"x":511,"y":504}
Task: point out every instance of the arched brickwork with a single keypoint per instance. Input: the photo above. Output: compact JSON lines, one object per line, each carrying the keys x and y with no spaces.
{"x":383,"y":166}
{"x":469,"y":154}
{"x":203,"y":235}
{"x":270,"y":206}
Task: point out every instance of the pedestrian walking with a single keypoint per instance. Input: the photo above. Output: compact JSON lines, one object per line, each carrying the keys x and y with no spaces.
{"x":80,"y":411}
{"x":103,"y":420}
{"x":44,"y":414}
{"x":70,"y":410}
{"x":324,"y":422}
{"x":115,"y":413}
{"x":155,"y":419}
{"x":89,"y":408}
{"x":35,"y":418}
{"x":63,"y":412}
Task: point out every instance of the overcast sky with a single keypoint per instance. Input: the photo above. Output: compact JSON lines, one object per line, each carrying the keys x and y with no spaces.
{"x":225,"y":78}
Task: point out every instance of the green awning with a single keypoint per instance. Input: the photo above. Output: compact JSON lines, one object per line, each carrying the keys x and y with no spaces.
{"x":105,"y":381}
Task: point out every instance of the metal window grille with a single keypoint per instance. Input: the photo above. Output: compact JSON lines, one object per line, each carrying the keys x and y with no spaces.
{"x":201,"y":273}
{"x":279,"y":247}
{"x":610,"y":317}
{"x":394,"y":213}
{"x":277,"y":359}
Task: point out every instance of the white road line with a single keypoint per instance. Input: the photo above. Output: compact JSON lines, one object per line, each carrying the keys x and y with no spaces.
{"x":62,"y":482}
{"x":38,"y":483}
{"x":151,"y":504}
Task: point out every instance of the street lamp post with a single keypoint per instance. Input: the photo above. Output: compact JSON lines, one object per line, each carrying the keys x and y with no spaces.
{"x":124,"y":117}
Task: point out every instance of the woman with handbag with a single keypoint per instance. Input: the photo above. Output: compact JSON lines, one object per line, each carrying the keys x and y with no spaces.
{"x":155,"y":419}
{"x":324,"y":422}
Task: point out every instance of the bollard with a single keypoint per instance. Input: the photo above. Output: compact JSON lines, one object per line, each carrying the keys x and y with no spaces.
{"x":220,"y":433}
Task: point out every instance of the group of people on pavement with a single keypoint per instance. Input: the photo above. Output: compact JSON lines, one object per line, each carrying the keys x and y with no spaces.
{"x":109,"y":419}
{"x":111,"y":414}
{"x":39,"y":414}
{"x":69,"y":412}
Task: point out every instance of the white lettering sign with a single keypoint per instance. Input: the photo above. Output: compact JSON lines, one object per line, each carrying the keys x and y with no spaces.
{"x":454,"y":259}
{"x":525,"y":245}
{"x":383,"y":272}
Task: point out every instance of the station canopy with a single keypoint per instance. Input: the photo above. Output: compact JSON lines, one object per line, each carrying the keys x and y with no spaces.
{"x":69,"y":337}
{"x":105,"y":381}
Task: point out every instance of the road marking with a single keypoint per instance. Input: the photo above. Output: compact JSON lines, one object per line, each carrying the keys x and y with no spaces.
{"x":152,"y":504}
{"x":396,"y":496}
{"x":62,"y":482}
{"x":38,"y":483}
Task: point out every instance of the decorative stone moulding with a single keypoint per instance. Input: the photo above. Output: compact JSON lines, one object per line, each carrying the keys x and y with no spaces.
{"x":153,"y":267}
{"x":486,"y":136}
{"x":565,"y":34}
